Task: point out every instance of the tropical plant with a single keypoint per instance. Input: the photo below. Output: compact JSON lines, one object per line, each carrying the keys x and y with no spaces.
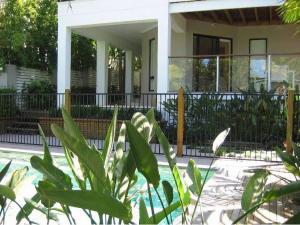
{"x":290,"y":11}
{"x":105,"y":177}
{"x":257,"y":192}
{"x":9,"y":188}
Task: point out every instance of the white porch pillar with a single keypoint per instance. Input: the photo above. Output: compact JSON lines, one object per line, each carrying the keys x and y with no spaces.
{"x":102,"y":72}
{"x":128,"y":75}
{"x":63,"y":61}
{"x":163,"y":52}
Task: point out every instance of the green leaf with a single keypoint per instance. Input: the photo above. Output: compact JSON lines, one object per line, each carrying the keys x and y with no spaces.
{"x":51,"y":172}
{"x":27,"y":208}
{"x":254,"y":189}
{"x":161,"y":215}
{"x":195,"y":176}
{"x":90,"y":157}
{"x":109,"y":139}
{"x":150,"y":115}
{"x":141,"y":123}
{"x":7,"y":192}
{"x":144,"y":217}
{"x":275,"y":193}
{"x":289,"y":162}
{"x":295,"y":219}
{"x":167,"y":148}
{"x":17,"y":177}
{"x":168,"y":191}
{"x":41,"y":209}
{"x":71,"y":128}
{"x":97,"y":201}
{"x":184,"y":194}
{"x":120,"y":147}
{"x":4,"y":170}
{"x":47,"y":155}
{"x":144,"y":158}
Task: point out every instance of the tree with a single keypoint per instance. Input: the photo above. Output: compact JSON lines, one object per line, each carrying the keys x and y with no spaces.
{"x":290,"y":11}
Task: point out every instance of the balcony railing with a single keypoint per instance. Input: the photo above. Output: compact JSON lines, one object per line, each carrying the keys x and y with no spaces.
{"x":233,"y":73}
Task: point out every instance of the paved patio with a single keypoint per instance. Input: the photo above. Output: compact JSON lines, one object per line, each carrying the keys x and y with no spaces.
{"x":220,"y":202}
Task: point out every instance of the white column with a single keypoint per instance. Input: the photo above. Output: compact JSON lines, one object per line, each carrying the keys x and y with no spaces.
{"x":163,"y":52}
{"x":63,"y":61}
{"x":102,"y":72}
{"x":128,"y":75}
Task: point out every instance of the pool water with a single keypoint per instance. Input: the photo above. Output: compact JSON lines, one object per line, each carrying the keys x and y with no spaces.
{"x":139,"y":190}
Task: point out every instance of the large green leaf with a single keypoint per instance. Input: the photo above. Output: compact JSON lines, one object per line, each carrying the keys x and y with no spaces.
{"x":195,"y":176}
{"x":144,"y":158}
{"x":144,"y":217}
{"x":39,"y":207}
{"x":141,"y":123}
{"x":109,"y":139}
{"x":17,"y":177}
{"x":27,"y":208}
{"x":96,"y":201}
{"x":184,"y":194}
{"x":168,"y":191}
{"x":275,"y":193}
{"x":289,"y":162}
{"x":150,"y":115}
{"x":4,"y":170}
{"x":47,"y":155}
{"x":7,"y":192}
{"x":90,"y":157}
{"x":51,"y":172}
{"x":168,"y":210}
{"x":167,"y":148}
{"x":254,"y":189}
{"x":71,"y":128}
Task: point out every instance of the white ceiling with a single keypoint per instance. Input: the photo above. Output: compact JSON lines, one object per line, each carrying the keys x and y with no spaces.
{"x":125,"y":35}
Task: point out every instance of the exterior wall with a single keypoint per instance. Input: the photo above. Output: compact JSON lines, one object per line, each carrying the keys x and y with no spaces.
{"x":282,"y":39}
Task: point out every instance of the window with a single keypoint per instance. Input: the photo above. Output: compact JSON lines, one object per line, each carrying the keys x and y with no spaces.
{"x":152,"y":64}
{"x":204,"y":67}
{"x":258,"y":63}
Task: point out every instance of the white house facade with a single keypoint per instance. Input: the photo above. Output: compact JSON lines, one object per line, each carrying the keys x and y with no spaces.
{"x":208,"y":45}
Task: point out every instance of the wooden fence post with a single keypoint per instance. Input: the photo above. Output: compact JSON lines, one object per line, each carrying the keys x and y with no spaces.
{"x":68,"y":100}
{"x":289,"y":125}
{"x":180,"y":122}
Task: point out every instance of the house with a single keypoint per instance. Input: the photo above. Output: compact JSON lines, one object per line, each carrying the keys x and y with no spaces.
{"x":208,"y":45}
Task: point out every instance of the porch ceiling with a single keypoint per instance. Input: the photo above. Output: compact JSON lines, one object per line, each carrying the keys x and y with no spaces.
{"x":239,"y":17}
{"x":124,"y":36}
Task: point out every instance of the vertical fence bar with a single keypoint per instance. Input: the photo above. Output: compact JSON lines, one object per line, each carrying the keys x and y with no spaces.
{"x":180,"y":122}
{"x":68,"y":100}
{"x":289,"y":127}
{"x":217,"y":73}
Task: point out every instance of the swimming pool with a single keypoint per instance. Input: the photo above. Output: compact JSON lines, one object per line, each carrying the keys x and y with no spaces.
{"x":20,"y":160}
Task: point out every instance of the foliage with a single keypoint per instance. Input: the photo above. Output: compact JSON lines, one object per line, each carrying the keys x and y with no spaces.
{"x":290,"y":11}
{"x":39,"y":94}
{"x":257,"y":192}
{"x":252,"y":117}
{"x":105,"y":177}
{"x":8,"y":189}
{"x":96,"y":112}
{"x":8,"y":107}
{"x":28,"y":36}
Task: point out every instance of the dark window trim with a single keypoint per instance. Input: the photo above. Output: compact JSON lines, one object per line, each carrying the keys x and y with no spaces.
{"x":151,"y":77}
{"x":213,"y":36}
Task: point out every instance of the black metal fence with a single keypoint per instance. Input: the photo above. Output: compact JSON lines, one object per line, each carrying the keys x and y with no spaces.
{"x":257,"y":121}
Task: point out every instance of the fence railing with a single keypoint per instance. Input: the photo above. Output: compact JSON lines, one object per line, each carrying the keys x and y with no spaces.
{"x":259,"y":121}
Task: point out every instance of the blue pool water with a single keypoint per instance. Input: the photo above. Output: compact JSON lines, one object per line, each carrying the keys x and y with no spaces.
{"x":20,"y":160}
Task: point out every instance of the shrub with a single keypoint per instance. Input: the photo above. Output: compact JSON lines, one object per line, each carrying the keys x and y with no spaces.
{"x":39,"y":95}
